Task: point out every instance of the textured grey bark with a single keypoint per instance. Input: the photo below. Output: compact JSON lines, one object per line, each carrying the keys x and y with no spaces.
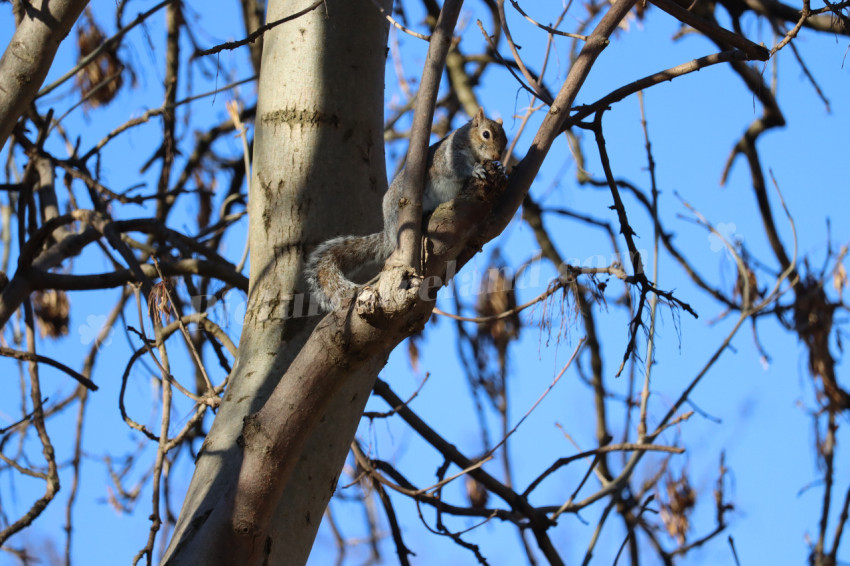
{"x":318,"y":157}
{"x":30,"y":53}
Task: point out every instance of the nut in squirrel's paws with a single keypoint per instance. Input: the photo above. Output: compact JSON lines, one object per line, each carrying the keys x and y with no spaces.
{"x":500,"y":168}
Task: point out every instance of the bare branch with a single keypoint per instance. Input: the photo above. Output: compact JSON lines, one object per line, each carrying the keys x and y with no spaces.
{"x":30,"y":357}
{"x":714,"y":31}
{"x":252,"y":37}
{"x":410,"y":215}
{"x":30,"y":53}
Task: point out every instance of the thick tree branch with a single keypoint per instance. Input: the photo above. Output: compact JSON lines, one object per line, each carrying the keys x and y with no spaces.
{"x":34,"y":264}
{"x":410,"y":209}
{"x":30,"y":53}
{"x":713,"y":30}
{"x":111,"y":279}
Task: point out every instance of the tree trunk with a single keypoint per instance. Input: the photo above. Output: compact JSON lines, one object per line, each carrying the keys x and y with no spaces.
{"x":318,"y":156}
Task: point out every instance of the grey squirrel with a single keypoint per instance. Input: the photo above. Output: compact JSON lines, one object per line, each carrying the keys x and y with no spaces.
{"x":451,"y":162}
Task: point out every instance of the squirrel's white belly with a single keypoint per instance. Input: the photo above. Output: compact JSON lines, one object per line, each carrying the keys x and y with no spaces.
{"x":439,"y":190}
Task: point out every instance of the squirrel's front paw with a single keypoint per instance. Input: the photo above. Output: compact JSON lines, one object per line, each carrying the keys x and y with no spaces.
{"x":479,"y":172}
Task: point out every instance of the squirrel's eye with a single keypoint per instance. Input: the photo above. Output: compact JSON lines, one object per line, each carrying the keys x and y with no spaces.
{"x":486,"y":134}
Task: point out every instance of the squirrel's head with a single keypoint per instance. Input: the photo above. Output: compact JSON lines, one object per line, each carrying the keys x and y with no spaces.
{"x":488,"y":138}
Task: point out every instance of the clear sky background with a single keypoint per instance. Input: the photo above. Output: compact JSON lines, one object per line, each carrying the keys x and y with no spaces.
{"x":760,"y":410}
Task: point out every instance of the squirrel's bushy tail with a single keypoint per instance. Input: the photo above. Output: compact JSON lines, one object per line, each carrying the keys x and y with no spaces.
{"x":331,"y":260}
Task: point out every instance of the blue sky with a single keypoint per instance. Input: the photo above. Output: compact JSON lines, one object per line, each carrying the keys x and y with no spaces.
{"x":765,"y":424}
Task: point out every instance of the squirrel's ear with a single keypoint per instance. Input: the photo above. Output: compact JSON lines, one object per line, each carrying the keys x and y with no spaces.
{"x":479,"y":116}
{"x":499,"y":121}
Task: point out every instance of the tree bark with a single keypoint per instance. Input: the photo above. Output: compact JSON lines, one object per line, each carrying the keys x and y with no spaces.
{"x":318,"y":156}
{"x":30,"y":53}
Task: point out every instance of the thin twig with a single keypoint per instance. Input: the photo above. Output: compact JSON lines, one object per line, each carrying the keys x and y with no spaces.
{"x":398,"y":26}
{"x":375,"y":415}
{"x":210,"y":394}
{"x":233,"y":111}
{"x":534,"y":82}
{"x":152,"y":113}
{"x":257,"y":33}
{"x":501,"y":60}
{"x":30,"y":357}
{"x":108,"y":44}
{"x":52,"y":476}
{"x":540,"y":398}
{"x":554,"y":286}
{"x":666,"y":75}
{"x":553,"y":31}
{"x":606,"y":449}
{"x":653,"y":304}
{"x":804,"y":15}
{"x":734,"y":552}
